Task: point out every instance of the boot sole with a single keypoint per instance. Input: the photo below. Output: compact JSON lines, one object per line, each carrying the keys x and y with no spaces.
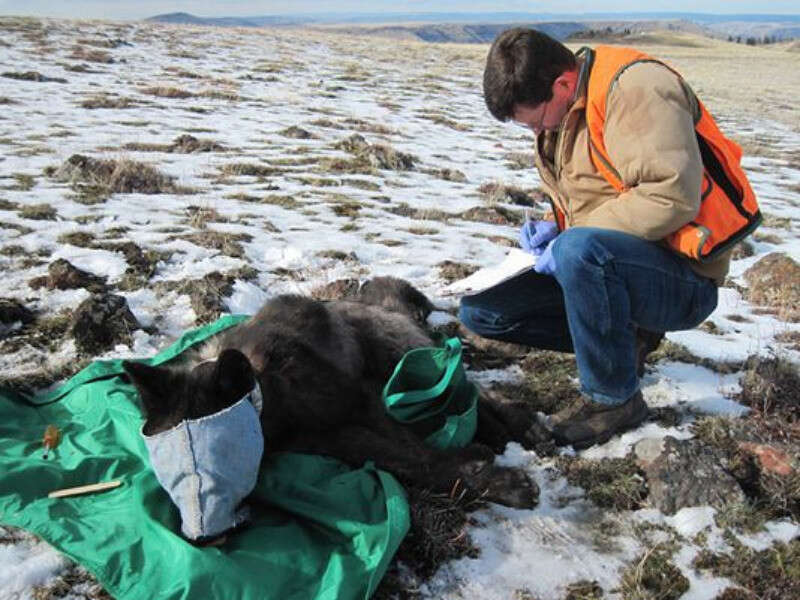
{"x":607,"y":435}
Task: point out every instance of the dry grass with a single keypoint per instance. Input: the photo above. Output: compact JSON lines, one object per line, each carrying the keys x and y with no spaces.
{"x":423,"y":214}
{"x":774,"y":281}
{"x":91,"y":55}
{"x":440,"y":119}
{"x":453,"y":271}
{"x":167,"y":92}
{"x":33,"y":76}
{"x":183,"y":144}
{"x":438,"y":534}
{"x":494,"y":192}
{"x":24,"y":182}
{"x":653,"y":577}
{"x":38,"y":212}
{"x":66,"y":584}
{"x":226,"y":243}
{"x":771,"y":386}
{"x":108,"y":101}
{"x":610,"y":483}
{"x":250,"y":170}
{"x":496,"y":215}
{"x":771,"y":574}
{"x":116,"y":176}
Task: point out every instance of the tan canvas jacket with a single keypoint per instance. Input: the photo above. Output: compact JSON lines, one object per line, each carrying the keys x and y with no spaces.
{"x":650,"y":137}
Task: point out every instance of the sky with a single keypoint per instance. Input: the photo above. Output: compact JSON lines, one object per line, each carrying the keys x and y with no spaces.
{"x":130,"y":9}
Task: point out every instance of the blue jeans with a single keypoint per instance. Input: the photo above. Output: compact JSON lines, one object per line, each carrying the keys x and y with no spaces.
{"x":607,"y":283}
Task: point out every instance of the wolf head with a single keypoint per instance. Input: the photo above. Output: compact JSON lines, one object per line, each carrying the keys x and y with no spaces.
{"x":204,"y":439}
{"x":396,"y":295}
{"x":171,"y":395}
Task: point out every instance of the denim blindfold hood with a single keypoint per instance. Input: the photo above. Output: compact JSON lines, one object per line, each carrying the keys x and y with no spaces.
{"x":209,"y":465}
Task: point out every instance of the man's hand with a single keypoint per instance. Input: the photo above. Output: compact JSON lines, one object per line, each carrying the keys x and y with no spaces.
{"x":546,"y":263}
{"x":535,"y":235}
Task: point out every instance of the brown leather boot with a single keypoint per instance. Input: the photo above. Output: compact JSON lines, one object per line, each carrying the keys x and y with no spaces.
{"x":646,"y":342}
{"x":586,"y":423}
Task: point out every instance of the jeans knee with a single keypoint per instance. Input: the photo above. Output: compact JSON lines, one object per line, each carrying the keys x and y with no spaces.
{"x":577,"y":247}
{"x":477,"y":319}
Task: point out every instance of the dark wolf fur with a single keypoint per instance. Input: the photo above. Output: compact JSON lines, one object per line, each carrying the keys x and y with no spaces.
{"x":321,"y":367}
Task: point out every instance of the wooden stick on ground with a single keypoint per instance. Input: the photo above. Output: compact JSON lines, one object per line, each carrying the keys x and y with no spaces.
{"x":84,"y":489}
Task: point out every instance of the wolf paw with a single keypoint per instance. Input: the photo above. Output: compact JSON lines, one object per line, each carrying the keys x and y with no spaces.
{"x":511,"y":487}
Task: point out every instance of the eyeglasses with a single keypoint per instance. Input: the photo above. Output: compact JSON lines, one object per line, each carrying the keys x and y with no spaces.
{"x":527,"y":117}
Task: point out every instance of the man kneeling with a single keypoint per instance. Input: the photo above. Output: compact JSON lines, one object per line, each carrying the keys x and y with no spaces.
{"x":648,"y":199}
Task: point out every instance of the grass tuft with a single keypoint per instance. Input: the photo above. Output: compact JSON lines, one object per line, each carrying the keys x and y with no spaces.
{"x":616,"y":483}
{"x":116,"y":176}
{"x":653,"y":576}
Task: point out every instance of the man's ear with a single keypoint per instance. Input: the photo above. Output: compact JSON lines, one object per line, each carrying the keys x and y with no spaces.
{"x":234,"y":375}
{"x":564,"y":85}
{"x":152,"y":383}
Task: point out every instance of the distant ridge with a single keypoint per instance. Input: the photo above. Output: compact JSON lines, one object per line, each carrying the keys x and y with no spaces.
{"x":183,"y":18}
{"x":464,"y":34}
{"x":483,"y":27}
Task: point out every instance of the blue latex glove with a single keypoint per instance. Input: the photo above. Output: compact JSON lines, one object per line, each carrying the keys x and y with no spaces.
{"x":546,"y":262}
{"x":535,"y":235}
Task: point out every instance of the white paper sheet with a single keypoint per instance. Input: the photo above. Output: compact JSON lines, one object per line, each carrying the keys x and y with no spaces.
{"x":515,"y":262}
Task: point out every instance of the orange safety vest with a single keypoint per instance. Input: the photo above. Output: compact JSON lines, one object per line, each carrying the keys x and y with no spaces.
{"x":728,"y":208}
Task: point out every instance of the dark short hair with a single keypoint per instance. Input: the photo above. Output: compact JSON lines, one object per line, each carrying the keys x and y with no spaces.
{"x":521,"y":67}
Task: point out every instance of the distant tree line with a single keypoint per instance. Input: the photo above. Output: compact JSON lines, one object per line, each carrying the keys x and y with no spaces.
{"x":754,"y":41}
{"x":604,"y":33}
{"x":607,"y":33}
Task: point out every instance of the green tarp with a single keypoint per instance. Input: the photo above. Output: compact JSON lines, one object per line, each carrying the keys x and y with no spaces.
{"x":321,"y":530}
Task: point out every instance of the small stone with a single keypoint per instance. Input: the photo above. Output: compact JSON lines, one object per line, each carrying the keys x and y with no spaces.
{"x":648,"y":450}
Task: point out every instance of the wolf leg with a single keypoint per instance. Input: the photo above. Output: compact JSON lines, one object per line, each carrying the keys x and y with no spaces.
{"x":500,"y":422}
{"x":395,"y":449}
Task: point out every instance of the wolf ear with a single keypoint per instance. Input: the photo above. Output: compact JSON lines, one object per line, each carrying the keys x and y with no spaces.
{"x":152,"y":383}
{"x":234,"y":375}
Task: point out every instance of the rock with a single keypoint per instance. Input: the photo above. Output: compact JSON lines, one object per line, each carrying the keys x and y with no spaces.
{"x":63,"y":275}
{"x":685,"y":473}
{"x":769,"y":458}
{"x":101,"y":322}
{"x":647,"y":450}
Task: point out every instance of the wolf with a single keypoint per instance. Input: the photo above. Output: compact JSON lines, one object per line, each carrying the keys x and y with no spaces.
{"x":320,"y":368}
